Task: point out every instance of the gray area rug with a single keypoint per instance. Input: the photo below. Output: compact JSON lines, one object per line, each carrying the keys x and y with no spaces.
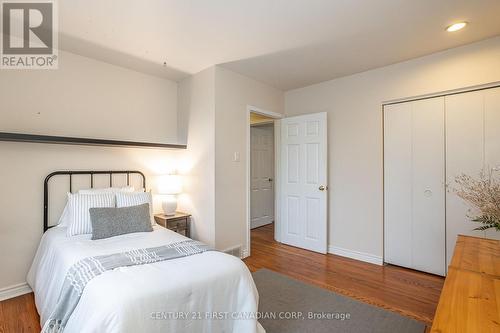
{"x":288,"y":306}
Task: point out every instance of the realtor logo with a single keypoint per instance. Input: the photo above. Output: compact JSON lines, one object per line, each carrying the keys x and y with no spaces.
{"x":29,"y":35}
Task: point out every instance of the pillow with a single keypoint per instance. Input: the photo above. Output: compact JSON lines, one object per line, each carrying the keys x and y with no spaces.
{"x":107,"y":190}
{"x":79,"y":205}
{"x":110,"y":222}
{"x":134,"y":199}
{"x":65,"y":218}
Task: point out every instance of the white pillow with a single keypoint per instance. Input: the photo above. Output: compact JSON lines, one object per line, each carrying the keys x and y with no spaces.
{"x":79,"y":205}
{"x":65,"y":218}
{"x":134,"y":199}
{"x":107,"y":190}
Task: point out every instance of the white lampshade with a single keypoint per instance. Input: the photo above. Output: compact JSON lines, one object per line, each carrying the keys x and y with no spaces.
{"x":170,"y":184}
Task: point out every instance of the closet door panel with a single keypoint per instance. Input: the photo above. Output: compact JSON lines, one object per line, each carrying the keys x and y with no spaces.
{"x":492,"y":127}
{"x":428,"y":188}
{"x":397,"y":184}
{"x":492,"y":137}
{"x":464,"y":154}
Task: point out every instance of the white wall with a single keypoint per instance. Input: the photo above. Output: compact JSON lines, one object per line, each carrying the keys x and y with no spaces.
{"x":83,"y":97}
{"x":234,"y":92}
{"x":89,"y":98}
{"x":197,"y":129}
{"x":212,"y":120}
{"x":355,"y":138}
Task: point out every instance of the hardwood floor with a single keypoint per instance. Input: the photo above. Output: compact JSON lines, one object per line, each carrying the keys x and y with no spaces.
{"x":408,"y":292}
{"x":18,"y":315}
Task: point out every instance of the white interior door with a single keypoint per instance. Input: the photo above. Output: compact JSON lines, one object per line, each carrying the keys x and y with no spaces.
{"x":261,"y":175}
{"x":303,"y":185}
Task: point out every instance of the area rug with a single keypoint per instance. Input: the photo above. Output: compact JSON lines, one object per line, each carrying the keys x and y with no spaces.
{"x":291,"y":306}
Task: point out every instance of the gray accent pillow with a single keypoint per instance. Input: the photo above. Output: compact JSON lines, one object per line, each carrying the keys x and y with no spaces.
{"x":110,"y":222}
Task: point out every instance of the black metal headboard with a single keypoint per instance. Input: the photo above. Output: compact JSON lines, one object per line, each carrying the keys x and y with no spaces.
{"x":91,"y":174}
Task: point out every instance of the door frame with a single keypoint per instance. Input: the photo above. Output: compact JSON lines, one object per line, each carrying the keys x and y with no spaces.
{"x":277,"y":135}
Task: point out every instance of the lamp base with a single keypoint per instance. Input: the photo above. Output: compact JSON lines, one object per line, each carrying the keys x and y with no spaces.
{"x":169,"y":205}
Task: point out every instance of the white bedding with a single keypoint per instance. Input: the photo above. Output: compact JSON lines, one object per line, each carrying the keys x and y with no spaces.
{"x":145,"y":298}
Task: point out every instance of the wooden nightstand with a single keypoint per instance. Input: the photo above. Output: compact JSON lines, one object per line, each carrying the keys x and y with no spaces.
{"x":178,"y":222}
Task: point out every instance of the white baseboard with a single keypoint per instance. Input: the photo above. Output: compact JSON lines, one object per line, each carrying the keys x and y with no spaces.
{"x":366,"y":257}
{"x":244,"y":254}
{"x":14,"y":291}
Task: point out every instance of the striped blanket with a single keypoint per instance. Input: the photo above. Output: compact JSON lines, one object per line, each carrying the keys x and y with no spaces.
{"x":86,"y":269}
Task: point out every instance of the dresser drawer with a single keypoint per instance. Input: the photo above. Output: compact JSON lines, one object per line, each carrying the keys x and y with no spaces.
{"x":177,"y":224}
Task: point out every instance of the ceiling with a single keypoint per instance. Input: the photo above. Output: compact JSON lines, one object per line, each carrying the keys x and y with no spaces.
{"x":285,"y":43}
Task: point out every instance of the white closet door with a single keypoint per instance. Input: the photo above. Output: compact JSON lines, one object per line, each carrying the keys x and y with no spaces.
{"x":414,"y":185}
{"x":428,"y":186}
{"x":464,"y":154}
{"x":397,"y":184}
{"x":492,"y":137}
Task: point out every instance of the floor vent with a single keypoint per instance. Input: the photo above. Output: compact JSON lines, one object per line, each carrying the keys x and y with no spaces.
{"x":234,"y":251}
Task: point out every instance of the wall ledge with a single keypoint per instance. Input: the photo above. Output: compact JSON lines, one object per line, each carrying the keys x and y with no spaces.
{"x":66,"y":140}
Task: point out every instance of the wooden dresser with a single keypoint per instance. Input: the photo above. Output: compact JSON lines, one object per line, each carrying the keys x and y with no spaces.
{"x":470,"y":299}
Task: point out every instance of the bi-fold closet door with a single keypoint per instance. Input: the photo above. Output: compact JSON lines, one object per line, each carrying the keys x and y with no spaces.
{"x":427,"y":143}
{"x":472,"y":144}
{"x":414,"y":185}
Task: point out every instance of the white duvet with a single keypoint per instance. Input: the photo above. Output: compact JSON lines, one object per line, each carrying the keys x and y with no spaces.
{"x":207,"y":292}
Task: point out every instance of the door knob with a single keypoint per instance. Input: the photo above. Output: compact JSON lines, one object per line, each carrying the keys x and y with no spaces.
{"x":322,"y":188}
{"x":270,"y":179}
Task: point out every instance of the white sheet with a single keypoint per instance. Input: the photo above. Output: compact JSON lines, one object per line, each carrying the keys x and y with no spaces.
{"x":141,"y":298}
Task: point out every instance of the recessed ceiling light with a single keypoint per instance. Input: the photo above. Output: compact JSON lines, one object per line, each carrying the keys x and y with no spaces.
{"x":456,"y":26}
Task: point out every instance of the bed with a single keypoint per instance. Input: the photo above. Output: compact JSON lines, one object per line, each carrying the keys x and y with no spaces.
{"x":205,"y":292}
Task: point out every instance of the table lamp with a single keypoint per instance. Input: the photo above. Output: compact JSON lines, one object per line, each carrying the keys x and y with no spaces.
{"x":169,"y":186}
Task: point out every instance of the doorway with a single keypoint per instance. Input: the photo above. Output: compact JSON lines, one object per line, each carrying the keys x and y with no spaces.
{"x":287,"y":178}
{"x":262,"y":141}
{"x":261,"y":172}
